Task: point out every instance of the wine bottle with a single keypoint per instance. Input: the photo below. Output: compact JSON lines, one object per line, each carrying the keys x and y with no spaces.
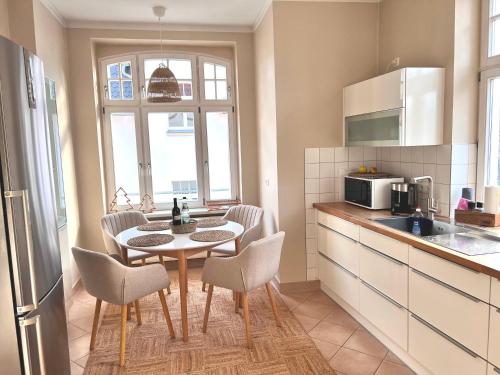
{"x":185,"y":213}
{"x":176,"y":214}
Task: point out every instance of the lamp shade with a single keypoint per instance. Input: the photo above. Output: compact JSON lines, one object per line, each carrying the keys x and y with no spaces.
{"x":163,"y":86}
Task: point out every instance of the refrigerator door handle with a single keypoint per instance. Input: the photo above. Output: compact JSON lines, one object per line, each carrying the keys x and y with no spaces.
{"x":23,"y":324}
{"x":23,"y":194}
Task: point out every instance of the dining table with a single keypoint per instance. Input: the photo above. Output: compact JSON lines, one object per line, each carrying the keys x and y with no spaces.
{"x":181,"y":248}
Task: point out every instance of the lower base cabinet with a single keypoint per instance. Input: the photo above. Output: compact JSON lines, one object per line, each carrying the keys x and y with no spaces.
{"x":344,"y":283}
{"x":440,"y":354}
{"x":387,"y":315}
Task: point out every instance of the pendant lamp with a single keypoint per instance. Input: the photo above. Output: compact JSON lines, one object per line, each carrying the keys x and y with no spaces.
{"x":163,"y":86}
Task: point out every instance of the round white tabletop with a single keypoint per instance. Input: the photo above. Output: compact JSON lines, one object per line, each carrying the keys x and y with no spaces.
{"x":181,"y":241}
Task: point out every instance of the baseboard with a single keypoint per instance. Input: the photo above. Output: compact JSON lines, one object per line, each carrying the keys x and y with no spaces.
{"x":382,"y":337}
{"x":297,"y":286}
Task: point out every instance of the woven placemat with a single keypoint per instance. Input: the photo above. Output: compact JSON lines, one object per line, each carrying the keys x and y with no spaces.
{"x":149,"y":227}
{"x":211,"y":222}
{"x":212,"y":235}
{"x":153,"y":239}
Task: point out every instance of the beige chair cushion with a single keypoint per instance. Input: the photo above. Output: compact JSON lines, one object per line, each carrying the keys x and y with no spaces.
{"x":114,"y":223}
{"x":107,"y":279}
{"x":256,"y":265}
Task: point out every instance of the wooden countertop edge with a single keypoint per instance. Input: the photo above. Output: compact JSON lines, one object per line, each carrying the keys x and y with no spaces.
{"x":421,"y":245}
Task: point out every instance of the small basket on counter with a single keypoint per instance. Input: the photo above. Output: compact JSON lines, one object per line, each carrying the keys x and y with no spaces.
{"x":184,"y":228}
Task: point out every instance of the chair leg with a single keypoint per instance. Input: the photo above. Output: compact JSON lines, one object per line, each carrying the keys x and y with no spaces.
{"x":236,"y":302}
{"x":168,"y":290}
{"x":123,"y":334}
{"x":137,"y":312}
{"x":95,"y":323}
{"x":273,"y":304}
{"x":166,"y":313}
{"x":248,"y":331}
{"x":143,"y":261}
{"x":207,"y":307}
{"x":209,"y":253}
{"x":129,"y":311}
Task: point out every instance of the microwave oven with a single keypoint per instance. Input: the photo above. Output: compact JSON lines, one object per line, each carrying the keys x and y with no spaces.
{"x":369,"y":191}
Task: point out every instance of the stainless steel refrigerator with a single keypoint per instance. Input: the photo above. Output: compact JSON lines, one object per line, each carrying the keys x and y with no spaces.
{"x":33,"y":333}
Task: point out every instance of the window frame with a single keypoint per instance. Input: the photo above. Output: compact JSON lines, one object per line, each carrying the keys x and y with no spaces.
{"x":487,"y":61}
{"x":139,"y":106}
{"x":104,"y":62}
{"x":229,"y":75}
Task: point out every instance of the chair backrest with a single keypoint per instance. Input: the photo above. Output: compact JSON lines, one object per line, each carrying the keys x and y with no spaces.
{"x":102,"y":276}
{"x":246,"y":215}
{"x":114,"y":223}
{"x":260,"y":261}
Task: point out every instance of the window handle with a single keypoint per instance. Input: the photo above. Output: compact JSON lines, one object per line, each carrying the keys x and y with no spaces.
{"x":143,"y":91}
{"x":106,"y":91}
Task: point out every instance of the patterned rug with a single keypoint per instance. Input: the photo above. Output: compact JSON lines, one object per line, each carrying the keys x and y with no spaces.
{"x":150,"y":351}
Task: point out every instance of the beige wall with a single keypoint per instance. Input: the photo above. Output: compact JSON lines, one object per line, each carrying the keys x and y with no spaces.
{"x":82,"y":55}
{"x":4,"y":18}
{"x":51,"y":47}
{"x":22,"y":23}
{"x":319,"y":48}
{"x":420,"y":33}
{"x":265,"y":90}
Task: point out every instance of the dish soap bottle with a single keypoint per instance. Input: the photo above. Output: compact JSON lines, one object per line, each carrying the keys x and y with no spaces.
{"x":416,"y":230}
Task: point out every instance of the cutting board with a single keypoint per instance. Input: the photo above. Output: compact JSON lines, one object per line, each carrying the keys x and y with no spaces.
{"x":475,"y":217}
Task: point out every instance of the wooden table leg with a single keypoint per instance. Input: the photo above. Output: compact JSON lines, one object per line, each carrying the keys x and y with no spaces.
{"x":183,"y":293}
{"x":237,"y":249}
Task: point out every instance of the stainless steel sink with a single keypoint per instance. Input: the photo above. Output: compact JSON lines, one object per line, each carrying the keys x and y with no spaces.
{"x":466,"y":240}
{"x":429,"y":227}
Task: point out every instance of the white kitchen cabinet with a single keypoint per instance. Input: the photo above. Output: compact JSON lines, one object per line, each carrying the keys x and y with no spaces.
{"x":386,"y":245}
{"x":342,"y":282}
{"x":401,"y":108}
{"x":471,"y":282}
{"x":342,"y":226}
{"x":388,"y":316}
{"x":495,"y":292}
{"x":463,"y":317}
{"x":440,"y":354}
{"x":494,"y":339}
{"x":339,"y":248}
{"x":388,"y":275}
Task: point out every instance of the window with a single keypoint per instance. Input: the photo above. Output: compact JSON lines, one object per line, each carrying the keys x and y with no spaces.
{"x":171,"y":150}
{"x":488,"y":167}
{"x":119,"y":81}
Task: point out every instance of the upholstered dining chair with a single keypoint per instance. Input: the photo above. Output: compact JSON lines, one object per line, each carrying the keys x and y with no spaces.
{"x":107,"y":279}
{"x":254,"y":266}
{"x":114,"y":223}
{"x":250,"y":217}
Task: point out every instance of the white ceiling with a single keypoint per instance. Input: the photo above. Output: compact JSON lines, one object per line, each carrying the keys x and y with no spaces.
{"x":179,"y":12}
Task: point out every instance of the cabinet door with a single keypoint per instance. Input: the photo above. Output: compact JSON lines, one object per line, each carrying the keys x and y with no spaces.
{"x":339,"y":248}
{"x":339,"y":225}
{"x":377,"y":94}
{"x":386,"y":245}
{"x":494,"y":343}
{"x":344,"y":283}
{"x":440,"y":354}
{"x":389,"y":317}
{"x":457,"y":314}
{"x":495,"y":292}
{"x":388,"y":275}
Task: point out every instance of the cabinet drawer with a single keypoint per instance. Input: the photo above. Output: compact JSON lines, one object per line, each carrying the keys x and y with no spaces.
{"x":387,"y":274}
{"x":440,"y":354}
{"x":390,"y":317}
{"x":471,"y":282}
{"x":340,"y":225}
{"x":460,"y":316}
{"x":339,"y":248}
{"x":492,"y":370}
{"x":389,"y":246}
{"x":495,"y":292}
{"x":339,"y":280}
{"x":494,"y":344}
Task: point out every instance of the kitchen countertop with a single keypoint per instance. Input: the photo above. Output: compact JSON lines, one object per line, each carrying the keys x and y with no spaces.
{"x":488,"y":264}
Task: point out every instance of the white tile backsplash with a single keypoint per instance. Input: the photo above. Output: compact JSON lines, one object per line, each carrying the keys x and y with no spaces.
{"x":472,"y":177}
{"x":327,"y":155}
{"x":443,"y":174}
{"x":311,"y":245}
{"x":369,"y":153}
{"x":406,"y":154}
{"x":310,"y":199}
{"x":355,"y":154}
{"x":341,"y":169}
{"x":417,"y":154}
{"x":311,"y":155}
{"x":341,"y":154}
{"x":326,"y":170}
{"x":326,"y":185}
{"x":326,"y":197}
{"x":460,"y":154}
{"x":430,"y":170}
{"x":442,"y":193}
{"x":311,"y":171}
{"x":395,"y":154}
{"x":459,"y":174}
{"x":310,"y":230}
{"x":443,"y":154}
{"x":472,"y":153}
{"x":311,"y":186}
{"x":310,"y":216}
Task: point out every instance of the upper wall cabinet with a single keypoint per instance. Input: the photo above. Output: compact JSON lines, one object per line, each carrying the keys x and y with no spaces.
{"x":401,"y":108}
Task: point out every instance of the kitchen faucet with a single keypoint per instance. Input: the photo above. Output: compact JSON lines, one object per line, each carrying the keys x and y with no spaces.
{"x":431,"y":204}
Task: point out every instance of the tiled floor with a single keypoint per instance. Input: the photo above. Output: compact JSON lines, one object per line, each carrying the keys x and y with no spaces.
{"x":348,"y":347}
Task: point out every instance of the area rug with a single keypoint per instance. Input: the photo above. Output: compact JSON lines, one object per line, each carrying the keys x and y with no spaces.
{"x":222,"y":350}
